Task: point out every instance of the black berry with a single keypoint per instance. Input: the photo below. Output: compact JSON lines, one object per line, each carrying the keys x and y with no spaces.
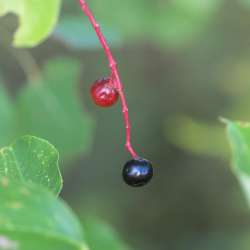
{"x":137,"y":172}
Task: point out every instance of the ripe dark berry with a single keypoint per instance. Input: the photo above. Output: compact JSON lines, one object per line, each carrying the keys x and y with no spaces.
{"x":137,"y":172}
{"x":103,"y":93}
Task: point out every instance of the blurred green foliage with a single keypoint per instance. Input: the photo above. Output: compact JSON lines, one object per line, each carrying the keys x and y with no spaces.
{"x":197,"y":137}
{"x":195,"y":201}
{"x":55,"y":97}
{"x":245,"y":3}
{"x":208,"y":139}
{"x":167,"y":23}
{"x":107,"y":238}
{"x":171,"y":23}
{"x":86,"y":38}
{"x":37,"y":19}
{"x":7,"y":117}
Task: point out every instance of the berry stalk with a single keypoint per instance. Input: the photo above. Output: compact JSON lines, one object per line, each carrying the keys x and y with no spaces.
{"x":114,"y":75}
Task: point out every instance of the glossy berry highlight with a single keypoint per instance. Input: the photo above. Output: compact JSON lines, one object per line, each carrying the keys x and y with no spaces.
{"x":103,"y":93}
{"x":137,"y":172}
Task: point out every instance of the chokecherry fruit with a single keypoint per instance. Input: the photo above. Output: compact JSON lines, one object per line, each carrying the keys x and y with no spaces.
{"x":137,"y":172}
{"x":103,"y":93}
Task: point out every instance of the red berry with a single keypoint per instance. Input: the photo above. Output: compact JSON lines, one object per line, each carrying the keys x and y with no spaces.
{"x":103,"y":93}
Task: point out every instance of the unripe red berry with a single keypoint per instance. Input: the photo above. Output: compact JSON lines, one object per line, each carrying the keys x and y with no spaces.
{"x":103,"y":93}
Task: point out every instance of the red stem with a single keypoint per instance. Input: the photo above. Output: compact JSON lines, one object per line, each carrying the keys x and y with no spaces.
{"x":114,"y":74}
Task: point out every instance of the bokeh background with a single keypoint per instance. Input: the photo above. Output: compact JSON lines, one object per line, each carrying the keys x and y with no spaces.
{"x":184,"y":64}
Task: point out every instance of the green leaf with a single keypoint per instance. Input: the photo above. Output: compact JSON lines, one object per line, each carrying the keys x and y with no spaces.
{"x":239,"y":138}
{"x":37,"y":19}
{"x":32,"y":218}
{"x":31,"y":159}
{"x":7,"y":117}
{"x":86,"y":38}
{"x":100,"y":235}
{"x":52,"y":109}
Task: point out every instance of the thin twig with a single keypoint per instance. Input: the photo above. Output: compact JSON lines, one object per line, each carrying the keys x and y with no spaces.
{"x":114,"y":74}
